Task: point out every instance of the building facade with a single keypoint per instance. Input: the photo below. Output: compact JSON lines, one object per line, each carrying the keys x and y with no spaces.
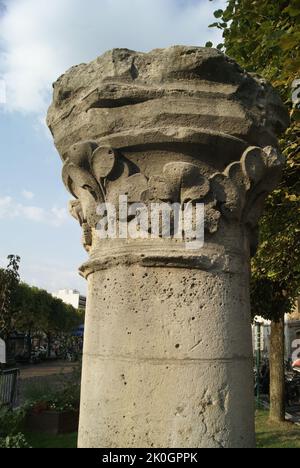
{"x":292,"y":334}
{"x":72,"y":297}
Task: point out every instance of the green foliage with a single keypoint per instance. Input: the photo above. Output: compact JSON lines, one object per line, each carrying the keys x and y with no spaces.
{"x":63,"y":397}
{"x":264,"y":37}
{"x":14,"y":442}
{"x":35,"y":310}
{"x":11,"y":425}
{"x":268,"y":299}
{"x":64,"y":441}
{"x":36,"y":390}
{"x":9,"y":279}
{"x":11,"y":422}
{"x":29,"y":309}
{"x":67,"y":399}
{"x":218,"y":14}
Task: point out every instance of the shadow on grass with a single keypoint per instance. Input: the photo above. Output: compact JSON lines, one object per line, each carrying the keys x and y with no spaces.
{"x":272,"y":435}
{"x":47,"y":441}
{"x":277,"y":440}
{"x":269,"y":435}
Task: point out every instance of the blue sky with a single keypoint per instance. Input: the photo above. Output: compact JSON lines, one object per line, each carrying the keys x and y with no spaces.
{"x":39,"y":40}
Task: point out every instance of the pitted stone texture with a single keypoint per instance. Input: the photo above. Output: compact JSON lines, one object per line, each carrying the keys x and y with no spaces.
{"x":170,"y":324}
{"x":168,"y":353}
{"x":167,"y":404}
{"x":176,"y":370}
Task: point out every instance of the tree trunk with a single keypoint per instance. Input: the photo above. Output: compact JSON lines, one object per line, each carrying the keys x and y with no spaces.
{"x":277,"y":375}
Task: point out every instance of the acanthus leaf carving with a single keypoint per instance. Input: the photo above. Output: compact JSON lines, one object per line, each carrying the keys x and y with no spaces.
{"x":95,"y":174}
{"x":76,"y":211}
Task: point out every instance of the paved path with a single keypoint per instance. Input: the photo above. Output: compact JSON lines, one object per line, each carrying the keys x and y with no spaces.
{"x":45,"y":369}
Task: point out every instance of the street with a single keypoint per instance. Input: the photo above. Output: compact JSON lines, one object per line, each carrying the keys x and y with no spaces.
{"x":46,"y":369}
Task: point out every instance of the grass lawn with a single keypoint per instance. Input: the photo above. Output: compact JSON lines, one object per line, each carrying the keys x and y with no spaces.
{"x":285,"y":435}
{"x":48,"y":441}
{"x":270,"y":435}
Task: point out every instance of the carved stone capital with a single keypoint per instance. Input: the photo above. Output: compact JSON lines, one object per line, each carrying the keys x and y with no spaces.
{"x":99,"y":174}
{"x":180,"y":125}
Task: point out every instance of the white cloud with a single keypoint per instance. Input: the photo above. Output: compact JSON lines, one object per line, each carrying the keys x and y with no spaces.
{"x":40,"y":39}
{"x":27,"y":194}
{"x":52,"y":277}
{"x":10,"y":209}
{"x":59,"y":215}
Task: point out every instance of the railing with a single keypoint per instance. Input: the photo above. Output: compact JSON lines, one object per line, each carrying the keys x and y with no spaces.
{"x":9,"y":387}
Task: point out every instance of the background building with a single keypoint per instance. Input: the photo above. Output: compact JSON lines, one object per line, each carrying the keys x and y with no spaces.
{"x":72,"y":297}
{"x":292,"y":334}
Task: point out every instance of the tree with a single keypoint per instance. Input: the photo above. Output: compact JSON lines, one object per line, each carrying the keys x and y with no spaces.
{"x":30,"y":310}
{"x":9,"y":280}
{"x":62,"y":319}
{"x":36,"y":311}
{"x":264,"y":37}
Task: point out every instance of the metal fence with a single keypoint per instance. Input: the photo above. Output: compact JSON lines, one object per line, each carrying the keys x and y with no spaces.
{"x":9,"y":387}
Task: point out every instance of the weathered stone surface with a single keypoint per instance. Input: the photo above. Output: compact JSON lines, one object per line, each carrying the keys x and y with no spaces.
{"x":167,"y":358}
{"x":126,"y":98}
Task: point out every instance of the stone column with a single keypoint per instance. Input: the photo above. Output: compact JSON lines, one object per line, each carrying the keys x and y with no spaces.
{"x":167,"y":354}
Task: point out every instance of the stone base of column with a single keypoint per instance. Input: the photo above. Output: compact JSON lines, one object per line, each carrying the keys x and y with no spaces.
{"x":167,"y":360}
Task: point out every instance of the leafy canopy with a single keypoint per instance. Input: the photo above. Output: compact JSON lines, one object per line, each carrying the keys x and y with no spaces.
{"x":9,"y":280}
{"x":31,"y":310}
{"x":35,"y":310}
{"x":264,"y":37}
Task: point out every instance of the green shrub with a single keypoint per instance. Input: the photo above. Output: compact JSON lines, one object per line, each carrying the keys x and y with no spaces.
{"x":11,"y":421}
{"x":11,"y":425}
{"x":36,"y":391}
{"x":64,"y":396}
{"x":17,"y":441}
